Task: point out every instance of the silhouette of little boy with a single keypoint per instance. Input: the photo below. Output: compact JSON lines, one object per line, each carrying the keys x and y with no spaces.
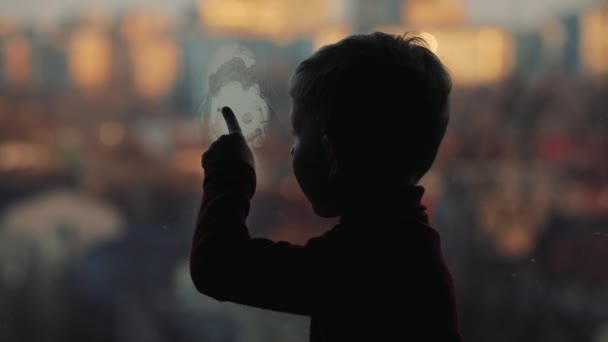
{"x":368,"y":115}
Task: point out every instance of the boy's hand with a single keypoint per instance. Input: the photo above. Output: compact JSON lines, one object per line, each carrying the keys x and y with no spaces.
{"x":231,"y":146}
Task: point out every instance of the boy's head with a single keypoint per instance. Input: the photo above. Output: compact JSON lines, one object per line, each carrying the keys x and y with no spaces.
{"x":368,"y":114}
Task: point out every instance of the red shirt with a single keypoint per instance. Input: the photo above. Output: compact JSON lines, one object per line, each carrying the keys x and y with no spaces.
{"x":376,"y":276}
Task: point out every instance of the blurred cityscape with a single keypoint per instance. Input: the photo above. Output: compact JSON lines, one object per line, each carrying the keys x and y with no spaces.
{"x":102,"y":128}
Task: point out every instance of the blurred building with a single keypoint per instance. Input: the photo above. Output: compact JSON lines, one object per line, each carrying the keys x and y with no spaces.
{"x":16,"y":60}
{"x":571,"y":56}
{"x":529,"y":53}
{"x":159,"y":57}
{"x":191,"y":84}
{"x":594,"y":39}
{"x":477,"y":54}
{"x":90,"y":58}
{"x":364,"y":15}
{"x":152,"y":51}
{"x":51,"y":64}
{"x":573,"y":43}
{"x":552,"y":34}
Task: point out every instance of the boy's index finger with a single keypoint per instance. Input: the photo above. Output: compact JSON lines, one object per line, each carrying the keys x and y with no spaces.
{"x":231,"y":121}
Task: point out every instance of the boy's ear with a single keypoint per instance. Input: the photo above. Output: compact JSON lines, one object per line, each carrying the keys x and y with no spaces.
{"x":330,"y":153}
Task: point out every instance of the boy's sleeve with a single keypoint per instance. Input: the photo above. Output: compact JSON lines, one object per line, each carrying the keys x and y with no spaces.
{"x":228,"y":265}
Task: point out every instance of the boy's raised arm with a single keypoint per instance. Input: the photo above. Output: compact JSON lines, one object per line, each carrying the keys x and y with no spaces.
{"x":227,"y":264}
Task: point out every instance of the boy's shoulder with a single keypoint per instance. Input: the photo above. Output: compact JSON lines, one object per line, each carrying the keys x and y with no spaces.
{"x":406,"y":232}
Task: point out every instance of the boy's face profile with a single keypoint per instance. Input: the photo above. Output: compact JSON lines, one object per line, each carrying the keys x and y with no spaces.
{"x":313,"y":162}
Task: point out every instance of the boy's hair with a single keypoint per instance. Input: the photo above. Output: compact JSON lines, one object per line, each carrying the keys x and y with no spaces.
{"x":389,"y":90}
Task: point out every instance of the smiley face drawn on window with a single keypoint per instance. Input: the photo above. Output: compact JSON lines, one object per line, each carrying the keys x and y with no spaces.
{"x":251,"y":111}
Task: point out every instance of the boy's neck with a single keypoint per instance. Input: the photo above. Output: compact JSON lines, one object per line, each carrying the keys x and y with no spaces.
{"x":403,"y":201}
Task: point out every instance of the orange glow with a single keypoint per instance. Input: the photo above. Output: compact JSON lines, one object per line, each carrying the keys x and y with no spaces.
{"x":90,"y":58}
{"x":111,"y":133}
{"x":594,"y":45}
{"x":329,"y":36}
{"x":18,"y":61}
{"x":473,"y":55}
{"x":494,"y":50}
{"x":433,"y":12}
{"x":516,"y":242}
{"x":155,"y":64}
{"x":274,"y":19}
{"x":393,"y":29}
